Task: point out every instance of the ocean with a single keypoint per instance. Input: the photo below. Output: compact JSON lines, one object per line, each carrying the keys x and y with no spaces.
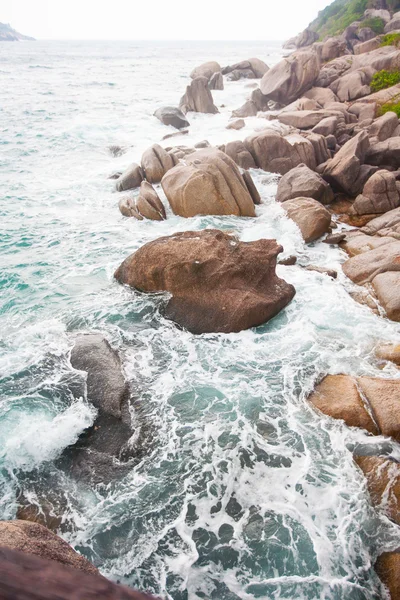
{"x":242,"y":490}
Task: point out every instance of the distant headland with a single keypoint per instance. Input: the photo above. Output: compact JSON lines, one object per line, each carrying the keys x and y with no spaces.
{"x":8,"y":34}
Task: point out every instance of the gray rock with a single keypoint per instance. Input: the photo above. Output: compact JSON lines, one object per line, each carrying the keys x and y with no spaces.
{"x":310,"y":216}
{"x":291,"y":77}
{"x":237,"y":124}
{"x":346,"y":172}
{"x":385,"y":154}
{"x":198,"y":97}
{"x":216,"y":82}
{"x":302,"y":182}
{"x":170,"y":115}
{"x":240,"y":154}
{"x":249,"y":109}
{"x":130,"y":179}
{"x":383,"y":127}
{"x":206,"y":70}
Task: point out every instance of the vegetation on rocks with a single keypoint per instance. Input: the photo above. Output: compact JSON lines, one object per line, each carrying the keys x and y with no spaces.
{"x":384,"y":79}
{"x":391,"y":39}
{"x":375,"y":23}
{"x":389,"y":107}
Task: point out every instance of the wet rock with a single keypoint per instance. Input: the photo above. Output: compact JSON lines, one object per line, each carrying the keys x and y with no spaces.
{"x":239,"y":153}
{"x":170,"y":115}
{"x":257,"y":67}
{"x":148,"y":203}
{"x":291,"y":77}
{"x":338,"y":396}
{"x":115,"y":175}
{"x":383,"y":483}
{"x":97,"y":453}
{"x":198,"y":98}
{"x":28,"y":577}
{"x":260,"y":101}
{"x":380,"y":194}
{"x":249,"y":109}
{"x":387,"y":289}
{"x":127,"y":207}
{"x":130,"y":179}
{"x":251,"y":188}
{"x":216,"y":82}
{"x":208,"y":184}
{"x":206,"y":70}
{"x":237,"y":124}
{"x":155,"y":163}
{"x":276,"y":153}
{"x":35,"y":539}
{"x":330,"y":272}
{"x":116,"y":150}
{"x":302,"y":182}
{"x":334,"y":238}
{"x":288,"y":262}
{"x":388,"y":569}
{"x":175,"y":134}
{"x":346,"y":171}
{"x":218,"y":284}
{"x":310,"y":216}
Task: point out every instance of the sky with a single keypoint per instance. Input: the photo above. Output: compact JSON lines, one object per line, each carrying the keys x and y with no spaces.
{"x":160,"y":19}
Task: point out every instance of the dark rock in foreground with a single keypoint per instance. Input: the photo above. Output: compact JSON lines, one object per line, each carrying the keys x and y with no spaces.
{"x":170,"y":115}
{"x":218,"y":284}
{"x":36,"y":539}
{"x":27,"y":577}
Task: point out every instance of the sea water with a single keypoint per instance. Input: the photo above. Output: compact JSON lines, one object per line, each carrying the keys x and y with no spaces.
{"x":242,"y":490}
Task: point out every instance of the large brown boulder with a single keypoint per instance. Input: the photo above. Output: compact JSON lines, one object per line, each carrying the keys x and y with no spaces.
{"x":218,"y":284}
{"x":206,"y":70}
{"x":305,"y":119}
{"x":238,"y":152}
{"x":155,"y":163}
{"x":198,"y":97}
{"x":346,"y":171}
{"x":276,"y":153}
{"x":388,"y":569}
{"x":385,"y":154}
{"x":380,"y":194}
{"x":385,"y":225}
{"x":28,"y":577}
{"x":170,"y":115}
{"x":355,"y":399}
{"x":301,"y":182}
{"x":310,"y":216}
{"x":33,"y":538}
{"x":257,"y":68}
{"x":323,"y":96}
{"x":387,"y":289}
{"x":209,"y":183}
{"x":364,"y":267}
{"x":353,"y":85}
{"x":332,"y":48}
{"x":383,"y":482}
{"x":291,"y":77}
{"x":130,"y":179}
{"x":216,"y":82}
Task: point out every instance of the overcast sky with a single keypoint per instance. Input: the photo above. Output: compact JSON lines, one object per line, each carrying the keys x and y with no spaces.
{"x":160,"y":19}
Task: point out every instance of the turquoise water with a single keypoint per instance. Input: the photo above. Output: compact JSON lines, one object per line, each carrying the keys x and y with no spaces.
{"x":242,"y":490}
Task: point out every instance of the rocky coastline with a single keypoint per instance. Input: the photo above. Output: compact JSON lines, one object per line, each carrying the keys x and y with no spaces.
{"x":331,"y":132}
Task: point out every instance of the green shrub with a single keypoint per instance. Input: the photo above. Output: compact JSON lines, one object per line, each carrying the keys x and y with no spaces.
{"x":391,"y":39}
{"x":384,"y":79}
{"x":376,"y":24}
{"x":389,"y":106}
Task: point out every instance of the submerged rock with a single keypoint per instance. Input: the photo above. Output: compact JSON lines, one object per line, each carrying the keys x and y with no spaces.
{"x":33,"y":538}
{"x":383,"y":482}
{"x":218,"y":284}
{"x":388,"y":569}
{"x":208,"y":184}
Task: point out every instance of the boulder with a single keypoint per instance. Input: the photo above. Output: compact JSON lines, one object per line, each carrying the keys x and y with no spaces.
{"x":206,"y":70}
{"x":130,"y":179}
{"x":35,"y":539}
{"x":388,"y":352}
{"x":276,"y":153}
{"x":388,"y":569}
{"x":338,"y":396}
{"x":303,"y":39}
{"x":393,"y":24}
{"x":357,"y":242}
{"x":391,"y":94}
{"x":291,"y":77}
{"x":28,"y":577}
{"x":326,"y":126}
{"x":127,"y":207}
{"x":332,"y":48}
{"x":310,"y":216}
{"x":320,"y":146}
{"x":155,"y":163}
{"x":368,"y":46}
{"x":251,"y":188}
{"x":346,"y":172}
{"x":376,"y":13}
{"x":208,"y":184}
{"x":353,"y":85}
{"x":218,"y":284}
{"x":383,"y":128}
{"x":380,"y":194}
{"x":237,"y":74}
{"x":101,"y":451}
{"x":385,"y":154}
{"x":239,"y":153}
{"x":237,"y":124}
{"x":198,"y":97}
{"x":363,"y":268}
{"x":304,"y":119}
{"x":258,"y":98}
{"x":148,"y":204}
{"x":323,"y":96}
{"x":383,"y":483}
{"x":170,"y":115}
{"x":387,"y":289}
{"x":385,"y":225}
{"x":302,"y":182}
{"x":216,"y":82}
{"x":257,"y":67}
{"x":249,"y":109}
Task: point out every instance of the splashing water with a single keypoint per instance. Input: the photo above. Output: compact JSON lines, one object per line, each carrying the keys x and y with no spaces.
{"x":243,"y":490}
